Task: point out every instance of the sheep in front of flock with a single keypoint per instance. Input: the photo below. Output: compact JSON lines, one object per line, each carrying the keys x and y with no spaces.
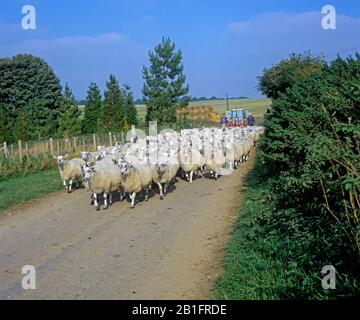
{"x":164,"y":172}
{"x":103,"y":179}
{"x":135,"y":178}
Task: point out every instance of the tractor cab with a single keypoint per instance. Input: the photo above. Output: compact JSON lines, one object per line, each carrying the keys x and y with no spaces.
{"x":238,"y":117}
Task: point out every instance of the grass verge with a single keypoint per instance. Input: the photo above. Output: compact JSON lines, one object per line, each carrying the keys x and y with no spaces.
{"x":251,"y":272}
{"x":17,"y":189}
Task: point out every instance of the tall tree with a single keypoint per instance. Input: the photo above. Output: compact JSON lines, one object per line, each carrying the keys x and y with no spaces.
{"x":70,"y":123}
{"x":287,"y":72}
{"x":131,"y":113}
{"x":92,"y":111}
{"x":164,"y":83}
{"x":114,"y":117}
{"x":28,"y":85}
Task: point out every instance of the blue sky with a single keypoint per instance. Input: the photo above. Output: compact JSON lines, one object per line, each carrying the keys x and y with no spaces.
{"x":225,"y":44}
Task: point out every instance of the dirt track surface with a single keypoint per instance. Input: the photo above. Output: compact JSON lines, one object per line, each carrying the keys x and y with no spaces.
{"x":169,"y":249}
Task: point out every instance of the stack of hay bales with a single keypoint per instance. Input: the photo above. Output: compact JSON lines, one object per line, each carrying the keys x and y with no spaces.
{"x":206,"y":113}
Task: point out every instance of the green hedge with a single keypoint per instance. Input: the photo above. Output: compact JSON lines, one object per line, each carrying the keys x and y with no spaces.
{"x":302,"y":212}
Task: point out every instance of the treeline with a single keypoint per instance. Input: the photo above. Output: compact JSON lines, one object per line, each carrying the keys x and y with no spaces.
{"x":310,"y":157}
{"x":141,"y":101}
{"x":34,"y":106}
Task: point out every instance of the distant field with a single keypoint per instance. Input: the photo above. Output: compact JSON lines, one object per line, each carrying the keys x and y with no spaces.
{"x":256,"y":106}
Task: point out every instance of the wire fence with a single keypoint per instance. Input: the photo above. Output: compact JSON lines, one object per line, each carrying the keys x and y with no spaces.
{"x":58,"y":146}
{"x":90,"y":142}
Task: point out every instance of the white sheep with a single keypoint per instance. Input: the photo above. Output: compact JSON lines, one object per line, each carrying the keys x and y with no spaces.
{"x":135,"y":178}
{"x":103,"y":179}
{"x":164,"y":172}
{"x":70,"y":170}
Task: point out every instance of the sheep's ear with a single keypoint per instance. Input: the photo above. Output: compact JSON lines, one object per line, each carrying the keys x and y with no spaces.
{"x":66,"y":156}
{"x":114,"y":161}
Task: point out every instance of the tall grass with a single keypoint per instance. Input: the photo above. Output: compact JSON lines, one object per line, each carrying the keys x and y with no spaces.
{"x":12,"y":167}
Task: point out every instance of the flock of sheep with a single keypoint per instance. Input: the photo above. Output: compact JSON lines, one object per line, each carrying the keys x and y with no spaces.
{"x":135,"y":166}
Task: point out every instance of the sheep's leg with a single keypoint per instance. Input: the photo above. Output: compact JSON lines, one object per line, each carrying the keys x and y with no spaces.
{"x":105,"y":200}
{"x":132,"y":197}
{"x":96,"y":202}
{"x":110,"y":198}
{"x":147,"y":193}
{"x":165,"y":187}
{"x":64,"y":183}
{"x":160,"y":189}
{"x":70,"y":185}
{"x":92,"y":199}
{"x":187,"y":176}
{"x":191,"y":176}
{"x":216,"y":176}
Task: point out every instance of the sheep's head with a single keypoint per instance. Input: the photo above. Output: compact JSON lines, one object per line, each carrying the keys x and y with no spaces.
{"x":87,"y":173}
{"x":60,"y":160}
{"x":85,"y":155}
{"x":161,"y":167}
{"x":124,"y":167}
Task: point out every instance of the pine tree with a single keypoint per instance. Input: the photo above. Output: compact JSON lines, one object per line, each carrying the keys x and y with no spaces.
{"x":114,"y":117}
{"x":70,"y":123}
{"x":131,"y":113}
{"x":164,"y":83}
{"x":92,"y":112}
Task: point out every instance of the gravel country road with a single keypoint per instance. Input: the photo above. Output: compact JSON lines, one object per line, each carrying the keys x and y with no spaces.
{"x":169,"y":249}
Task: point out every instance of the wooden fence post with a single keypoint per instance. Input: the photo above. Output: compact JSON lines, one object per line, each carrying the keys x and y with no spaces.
{"x":20,"y":150}
{"x":83,"y":143}
{"x":27,"y":148}
{"x":12,"y":150}
{"x":94,"y":141}
{"x":122,"y":136}
{"x":5,"y":150}
{"x":58,"y":147}
{"x":51,"y":146}
{"x":110,"y":139}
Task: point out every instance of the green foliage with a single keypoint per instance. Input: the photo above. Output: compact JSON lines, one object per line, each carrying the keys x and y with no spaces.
{"x":164,"y":83}
{"x":278,"y":78}
{"x":301,"y":209}
{"x":6,"y":132}
{"x":70,"y":122}
{"x":13,"y":167}
{"x":28,"y":88}
{"x":114,"y":114}
{"x":130,"y":110}
{"x":311,"y":153}
{"x":252,"y":268}
{"x":92,"y":121}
